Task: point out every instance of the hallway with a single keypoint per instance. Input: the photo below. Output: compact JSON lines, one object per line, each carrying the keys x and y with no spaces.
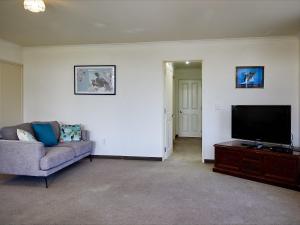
{"x":187,"y":150}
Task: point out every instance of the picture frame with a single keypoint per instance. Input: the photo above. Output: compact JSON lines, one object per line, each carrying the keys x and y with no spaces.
{"x":95,"y":79}
{"x":249,"y":77}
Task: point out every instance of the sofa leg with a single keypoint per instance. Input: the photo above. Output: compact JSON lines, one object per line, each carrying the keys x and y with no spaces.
{"x":46,"y":182}
{"x":91,"y":158}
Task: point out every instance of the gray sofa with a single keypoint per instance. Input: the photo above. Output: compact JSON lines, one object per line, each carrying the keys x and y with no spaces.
{"x":33,"y":159}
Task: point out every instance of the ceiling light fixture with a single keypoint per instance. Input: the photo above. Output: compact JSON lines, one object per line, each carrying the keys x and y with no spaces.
{"x":187,"y":62}
{"x":34,"y":5}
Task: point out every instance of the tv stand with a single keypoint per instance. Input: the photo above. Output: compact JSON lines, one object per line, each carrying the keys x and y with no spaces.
{"x":264,"y":164}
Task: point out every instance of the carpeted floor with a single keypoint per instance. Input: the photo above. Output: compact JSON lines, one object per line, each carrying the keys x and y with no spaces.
{"x":181,"y":190}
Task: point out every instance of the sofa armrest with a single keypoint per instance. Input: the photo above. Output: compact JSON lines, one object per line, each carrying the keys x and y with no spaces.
{"x":20,"y":158}
{"x":85,"y":135}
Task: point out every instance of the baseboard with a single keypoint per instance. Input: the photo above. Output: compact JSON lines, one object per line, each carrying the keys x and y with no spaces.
{"x":127,"y":157}
{"x":209,"y":161}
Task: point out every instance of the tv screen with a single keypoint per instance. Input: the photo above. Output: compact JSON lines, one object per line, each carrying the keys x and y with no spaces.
{"x":265,"y":123}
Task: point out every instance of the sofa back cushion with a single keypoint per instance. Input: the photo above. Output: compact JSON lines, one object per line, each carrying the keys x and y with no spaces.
{"x":10,"y":133}
{"x":55,"y":126}
{"x":44,"y":133}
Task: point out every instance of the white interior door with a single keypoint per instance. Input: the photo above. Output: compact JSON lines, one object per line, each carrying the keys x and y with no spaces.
{"x":189,"y":108}
{"x":168,"y":111}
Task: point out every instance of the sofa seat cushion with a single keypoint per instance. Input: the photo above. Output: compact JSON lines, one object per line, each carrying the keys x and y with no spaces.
{"x":79,"y":147}
{"x":56,"y":156}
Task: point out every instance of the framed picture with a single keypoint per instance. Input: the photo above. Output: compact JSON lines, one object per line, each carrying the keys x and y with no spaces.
{"x":95,"y":80}
{"x":249,"y":77}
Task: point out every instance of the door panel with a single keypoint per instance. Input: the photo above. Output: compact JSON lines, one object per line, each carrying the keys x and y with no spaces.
{"x":185,"y":96}
{"x":184,"y":123}
{"x":189,"y":108}
{"x":195,"y":96}
{"x":195,"y":123}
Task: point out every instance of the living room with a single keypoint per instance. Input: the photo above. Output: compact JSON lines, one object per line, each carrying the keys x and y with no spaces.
{"x":130,"y":123}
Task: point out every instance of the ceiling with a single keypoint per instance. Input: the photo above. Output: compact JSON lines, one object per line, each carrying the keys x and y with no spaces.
{"x":127,"y":21}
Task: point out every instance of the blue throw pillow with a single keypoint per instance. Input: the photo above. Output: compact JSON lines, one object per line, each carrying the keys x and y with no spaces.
{"x":45,"y":134}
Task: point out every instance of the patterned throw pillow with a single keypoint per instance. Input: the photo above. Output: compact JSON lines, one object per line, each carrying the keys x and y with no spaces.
{"x":70,"y":133}
{"x":25,"y":136}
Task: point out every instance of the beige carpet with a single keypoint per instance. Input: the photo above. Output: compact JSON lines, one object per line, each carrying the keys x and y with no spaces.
{"x":181,"y":190}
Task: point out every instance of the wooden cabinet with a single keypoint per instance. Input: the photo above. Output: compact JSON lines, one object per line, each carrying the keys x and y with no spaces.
{"x":263,"y":165}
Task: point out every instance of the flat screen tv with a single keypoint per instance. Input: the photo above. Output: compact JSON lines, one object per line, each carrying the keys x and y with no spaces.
{"x":263,"y":123}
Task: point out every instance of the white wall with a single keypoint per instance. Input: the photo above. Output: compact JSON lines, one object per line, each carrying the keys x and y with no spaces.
{"x":132,"y":121}
{"x":10,"y":52}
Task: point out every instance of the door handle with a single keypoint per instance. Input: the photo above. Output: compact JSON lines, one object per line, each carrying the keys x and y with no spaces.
{"x":180,"y":111}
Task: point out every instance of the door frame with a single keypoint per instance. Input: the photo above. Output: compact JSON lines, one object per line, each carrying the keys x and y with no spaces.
{"x":175,"y":107}
{"x":2,"y":61}
{"x":166,"y":154}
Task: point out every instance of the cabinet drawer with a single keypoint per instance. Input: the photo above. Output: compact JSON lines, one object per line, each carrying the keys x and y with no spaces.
{"x":252,"y":167}
{"x":252,"y":156}
{"x":281,"y":168}
{"x":227,"y":159}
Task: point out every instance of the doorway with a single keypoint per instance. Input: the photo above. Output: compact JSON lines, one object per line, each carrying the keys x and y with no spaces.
{"x":183,"y":108}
